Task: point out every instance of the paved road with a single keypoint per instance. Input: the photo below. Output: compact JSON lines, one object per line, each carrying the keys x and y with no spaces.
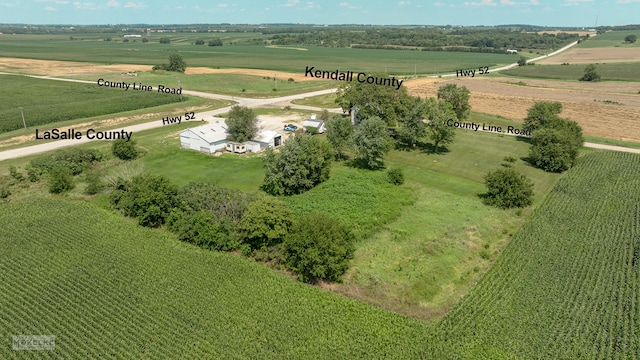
{"x":506,"y":67}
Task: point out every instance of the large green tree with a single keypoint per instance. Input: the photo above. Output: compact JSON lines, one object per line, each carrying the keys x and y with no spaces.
{"x":368,"y":100}
{"x":439,"y":114}
{"x":177,"y":63}
{"x":303,"y":162}
{"x":413,"y":127}
{"x":319,"y":247}
{"x":339,"y":130}
{"x":543,"y":114}
{"x":371,"y":141}
{"x":242,"y":124}
{"x":590,"y":73}
{"x":458,"y":97}
{"x":506,"y":188}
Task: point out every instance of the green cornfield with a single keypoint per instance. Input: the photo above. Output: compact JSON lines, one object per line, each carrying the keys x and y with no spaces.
{"x":568,"y":284}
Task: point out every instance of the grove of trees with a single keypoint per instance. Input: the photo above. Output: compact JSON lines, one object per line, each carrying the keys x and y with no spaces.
{"x":176,"y":63}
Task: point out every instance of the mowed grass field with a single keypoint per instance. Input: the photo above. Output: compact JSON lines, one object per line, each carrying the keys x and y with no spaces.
{"x":105,"y":287}
{"x":46,"y":101}
{"x":614,"y":71}
{"x":241,"y":55}
{"x":568,"y":284}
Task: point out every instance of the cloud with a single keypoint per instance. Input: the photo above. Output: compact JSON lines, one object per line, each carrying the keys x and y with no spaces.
{"x":403,"y":3}
{"x":535,"y":2}
{"x":627,"y":1}
{"x":132,"y":5}
{"x":438,"y":3}
{"x":312,"y":5}
{"x":222,"y":5}
{"x":49,"y":8}
{"x":86,"y":5}
{"x":483,"y":3}
{"x":58,"y":2}
{"x":575,"y":2}
{"x":292,"y":3}
{"x":113,"y":3}
{"x":507,"y":2}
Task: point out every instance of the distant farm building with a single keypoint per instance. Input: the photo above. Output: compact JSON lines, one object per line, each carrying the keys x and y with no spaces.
{"x":133,"y":36}
{"x":509,"y":51}
{"x":212,"y":138}
{"x":314,"y":123}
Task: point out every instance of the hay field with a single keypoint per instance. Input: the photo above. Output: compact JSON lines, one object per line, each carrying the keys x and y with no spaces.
{"x":586,"y":106}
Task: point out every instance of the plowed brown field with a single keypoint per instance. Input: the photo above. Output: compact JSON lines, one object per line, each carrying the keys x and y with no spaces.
{"x":495,"y":96}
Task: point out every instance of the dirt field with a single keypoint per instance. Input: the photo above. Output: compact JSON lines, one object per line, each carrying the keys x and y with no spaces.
{"x":495,"y":96}
{"x":70,"y":68}
{"x":594,"y":55}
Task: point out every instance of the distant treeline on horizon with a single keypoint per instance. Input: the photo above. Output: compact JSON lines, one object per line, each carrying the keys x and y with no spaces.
{"x":271,"y":29}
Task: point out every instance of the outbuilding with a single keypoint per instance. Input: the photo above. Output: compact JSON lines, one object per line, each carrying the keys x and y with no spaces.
{"x":268,"y":139}
{"x":314,"y":123}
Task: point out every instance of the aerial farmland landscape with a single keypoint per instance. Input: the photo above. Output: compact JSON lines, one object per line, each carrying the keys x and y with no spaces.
{"x":320,"y":180}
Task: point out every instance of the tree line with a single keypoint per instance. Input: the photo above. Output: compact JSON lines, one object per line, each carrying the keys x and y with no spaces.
{"x":428,"y":39}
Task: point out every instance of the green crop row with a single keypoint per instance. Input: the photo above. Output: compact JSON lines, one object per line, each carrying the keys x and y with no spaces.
{"x":568,"y":284}
{"x":53,"y":101}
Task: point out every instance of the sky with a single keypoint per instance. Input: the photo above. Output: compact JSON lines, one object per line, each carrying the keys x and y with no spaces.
{"x":582,"y":13}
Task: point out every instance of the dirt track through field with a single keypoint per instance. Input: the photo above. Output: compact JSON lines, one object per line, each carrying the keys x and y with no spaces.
{"x":597,"y":118}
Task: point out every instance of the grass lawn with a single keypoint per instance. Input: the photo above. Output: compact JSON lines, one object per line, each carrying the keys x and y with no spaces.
{"x":616,"y":71}
{"x":421,"y":263}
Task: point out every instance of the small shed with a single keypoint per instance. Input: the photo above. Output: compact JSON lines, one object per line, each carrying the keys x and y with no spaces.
{"x":314,"y":123}
{"x":268,"y":139}
{"x":206,"y":138}
{"x":235,"y":147}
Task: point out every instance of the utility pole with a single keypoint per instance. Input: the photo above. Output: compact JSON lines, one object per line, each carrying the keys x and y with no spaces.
{"x":21,"y":113}
{"x":275,"y":81}
{"x":177,"y":78}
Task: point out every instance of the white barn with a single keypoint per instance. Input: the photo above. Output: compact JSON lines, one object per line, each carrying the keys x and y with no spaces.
{"x":206,"y":138}
{"x":510,"y":51}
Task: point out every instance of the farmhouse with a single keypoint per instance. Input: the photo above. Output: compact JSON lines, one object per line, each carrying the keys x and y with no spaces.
{"x":314,"y":123}
{"x":212,"y":138}
{"x":509,"y":51}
